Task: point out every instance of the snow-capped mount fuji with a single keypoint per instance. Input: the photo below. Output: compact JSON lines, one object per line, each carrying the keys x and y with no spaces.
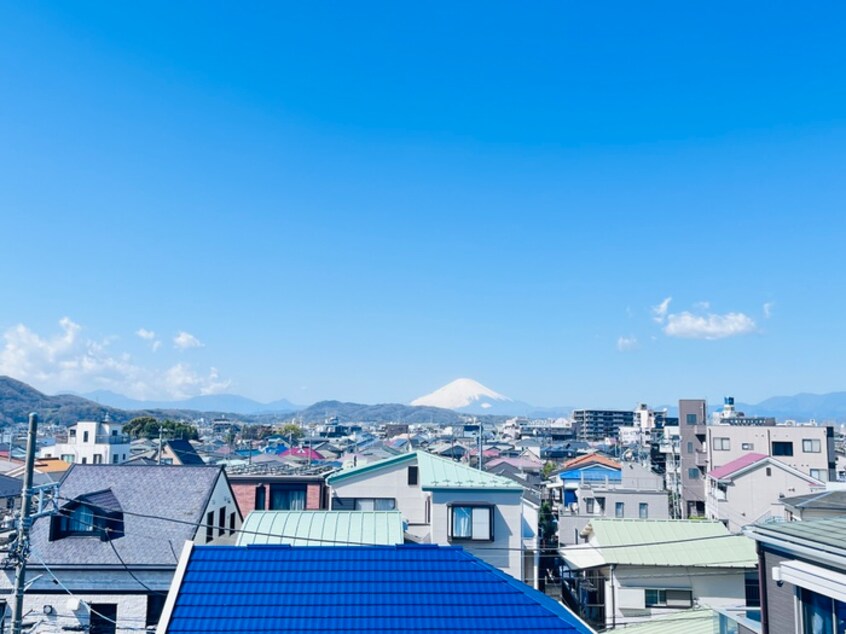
{"x":471,"y":397}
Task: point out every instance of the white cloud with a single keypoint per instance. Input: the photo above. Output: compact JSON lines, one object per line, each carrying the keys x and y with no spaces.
{"x":686,"y":325}
{"x":68,"y":361}
{"x":659,"y":312}
{"x":624,"y":344}
{"x":185,"y":340}
{"x":702,"y":305}
{"x":149,"y":335}
{"x":768,"y":309}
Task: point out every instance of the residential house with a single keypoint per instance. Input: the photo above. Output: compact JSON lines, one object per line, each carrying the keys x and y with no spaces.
{"x":442,"y":502}
{"x":632,"y":570}
{"x":91,"y":442}
{"x":750,"y":489}
{"x":322,"y":528}
{"x":174,"y":452}
{"x":413,"y":589}
{"x":802,"y":576}
{"x":115,"y":543}
{"x":637,"y":494}
{"x":815,"y":506}
{"x":257,"y":491}
{"x":593,"y":467}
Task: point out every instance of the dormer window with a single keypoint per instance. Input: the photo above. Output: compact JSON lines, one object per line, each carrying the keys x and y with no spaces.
{"x":93,"y":515}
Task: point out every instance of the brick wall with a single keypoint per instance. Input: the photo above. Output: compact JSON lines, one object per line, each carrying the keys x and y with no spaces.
{"x":314,"y":497}
{"x":245,"y":496}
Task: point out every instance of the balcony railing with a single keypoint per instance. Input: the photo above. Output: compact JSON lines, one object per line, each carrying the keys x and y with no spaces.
{"x":120,"y":439}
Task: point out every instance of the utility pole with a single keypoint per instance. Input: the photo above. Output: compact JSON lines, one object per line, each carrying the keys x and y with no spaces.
{"x":159,"y":461}
{"x":22,"y":542}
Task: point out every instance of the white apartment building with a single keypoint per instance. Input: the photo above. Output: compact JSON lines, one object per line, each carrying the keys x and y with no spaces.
{"x":91,"y":442}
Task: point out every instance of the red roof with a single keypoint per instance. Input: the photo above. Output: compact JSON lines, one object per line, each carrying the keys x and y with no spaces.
{"x":302,"y":452}
{"x":736,"y":465}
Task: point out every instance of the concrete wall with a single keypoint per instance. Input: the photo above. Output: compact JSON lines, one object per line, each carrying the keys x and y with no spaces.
{"x":222,"y":497}
{"x":760,"y":439}
{"x":691,"y":445}
{"x":570,"y":523}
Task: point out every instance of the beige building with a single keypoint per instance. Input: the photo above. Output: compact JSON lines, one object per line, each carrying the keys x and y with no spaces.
{"x":809,"y":449}
{"x":751,"y":488}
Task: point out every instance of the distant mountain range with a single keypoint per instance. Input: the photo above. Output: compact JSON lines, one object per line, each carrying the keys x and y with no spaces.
{"x":231,"y":403}
{"x":447,"y":406}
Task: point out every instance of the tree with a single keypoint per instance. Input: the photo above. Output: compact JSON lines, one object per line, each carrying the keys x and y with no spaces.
{"x":148,"y":427}
{"x":292,"y":432}
{"x":548,"y":468}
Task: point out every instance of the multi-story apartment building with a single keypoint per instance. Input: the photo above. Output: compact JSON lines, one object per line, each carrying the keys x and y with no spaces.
{"x":693,"y":458}
{"x":807,"y":448}
{"x":91,"y":442}
{"x":597,"y":424}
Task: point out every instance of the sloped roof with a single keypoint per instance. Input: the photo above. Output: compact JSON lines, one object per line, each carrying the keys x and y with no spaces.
{"x":660,"y":543}
{"x":322,"y":528}
{"x":160,"y":491}
{"x":822,"y":501}
{"x":589,"y":459}
{"x":692,"y":621}
{"x":830,"y":532}
{"x":185,"y":451}
{"x":435,"y":473}
{"x":381,"y":589}
{"x":10,"y":486}
{"x":735,"y":465}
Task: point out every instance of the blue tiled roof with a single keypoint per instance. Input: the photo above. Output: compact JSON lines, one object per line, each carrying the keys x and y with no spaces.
{"x":381,"y":589}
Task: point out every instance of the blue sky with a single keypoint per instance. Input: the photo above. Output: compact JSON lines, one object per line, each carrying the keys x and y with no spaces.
{"x":364,"y":201}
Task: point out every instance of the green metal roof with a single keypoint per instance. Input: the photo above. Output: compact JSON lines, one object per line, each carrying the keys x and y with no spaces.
{"x":829,"y":532}
{"x":693,"y":621}
{"x":661,"y":543}
{"x":435,"y":473}
{"x":322,"y":528}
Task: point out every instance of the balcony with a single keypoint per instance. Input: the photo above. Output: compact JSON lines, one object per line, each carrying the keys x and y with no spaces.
{"x":120,"y":439}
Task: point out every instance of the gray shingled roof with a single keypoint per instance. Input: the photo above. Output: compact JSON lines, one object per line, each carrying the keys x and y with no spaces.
{"x":827,"y":500}
{"x":176,"y":492}
{"x":10,"y":487}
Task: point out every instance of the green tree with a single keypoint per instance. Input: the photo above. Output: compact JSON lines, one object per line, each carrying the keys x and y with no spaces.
{"x":292,"y":432}
{"x":548,"y":468}
{"x":148,"y":427}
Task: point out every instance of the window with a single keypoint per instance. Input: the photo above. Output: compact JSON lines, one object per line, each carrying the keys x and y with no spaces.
{"x":769,"y":471}
{"x":752,"y":589}
{"x":115,"y":459}
{"x":287,"y":497}
{"x":72,"y":432}
{"x":721,"y":492}
{"x":103,"y":618}
{"x":232,"y":523}
{"x":817,"y":613}
{"x":747,"y":446}
{"x":68,"y":457}
{"x":84,"y":460}
{"x":619,"y":509}
{"x":155,"y":606}
{"x":720,"y":444}
{"x":811,"y":445}
{"x":80,"y":519}
{"x":209,"y":526}
{"x":221,"y":521}
{"x":693,"y":473}
{"x":782,"y":448}
{"x":85,"y":436}
{"x":363,"y":504}
{"x":689,"y":447}
{"x":668,"y":598}
{"x":643,"y":511}
{"x":817,"y":473}
{"x":261,"y":495}
{"x":590,"y":506}
{"x":413,"y":475}
{"x":692,"y":419}
{"x":474,"y":523}
{"x":600,"y":504}
{"x":98,"y":459}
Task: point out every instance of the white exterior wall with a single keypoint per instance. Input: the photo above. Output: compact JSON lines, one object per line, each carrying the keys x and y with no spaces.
{"x":90,"y":586}
{"x":753,"y":495}
{"x":390,"y":482}
{"x":709,"y":588}
{"x":85,"y":452}
{"x":505,"y":551}
{"x":761,"y":439}
{"x":221,"y":496}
